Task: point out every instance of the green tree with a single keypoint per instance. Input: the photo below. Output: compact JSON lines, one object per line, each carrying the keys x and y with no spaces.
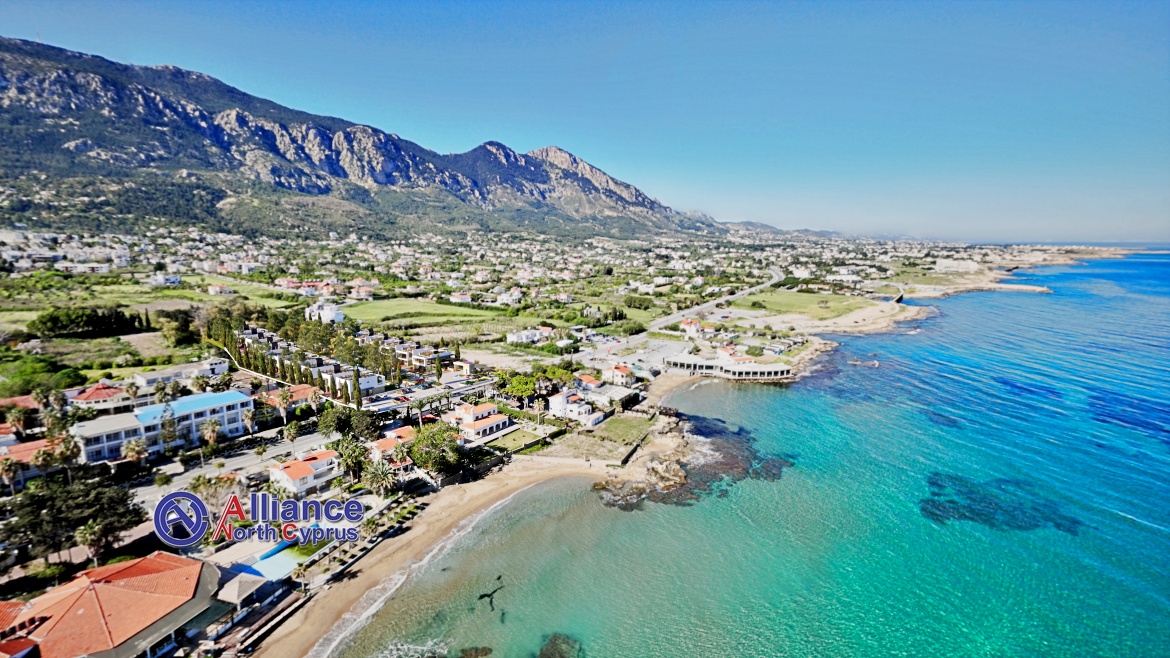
{"x":436,"y":448}
{"x":9,"y":469}
{"x":354,"y":456}
{"x":92,"y":538}
{"x":283,"y":400}
{"x":292,"y":431}
{"x":379,"y":477}
{"x":134,"y":450}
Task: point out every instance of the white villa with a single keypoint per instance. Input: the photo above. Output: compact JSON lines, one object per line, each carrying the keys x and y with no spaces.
{"x":324,"y":312}
{"x":480,"y":421}
{"x":307,"y":474}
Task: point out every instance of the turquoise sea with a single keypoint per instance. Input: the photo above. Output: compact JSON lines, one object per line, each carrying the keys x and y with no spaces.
{"x":998,"y":486}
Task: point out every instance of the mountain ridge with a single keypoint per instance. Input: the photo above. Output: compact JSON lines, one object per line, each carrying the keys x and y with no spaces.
{"x":73,"y":116}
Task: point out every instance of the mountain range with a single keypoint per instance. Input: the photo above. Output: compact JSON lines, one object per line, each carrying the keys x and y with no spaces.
{"x":89,"y":143}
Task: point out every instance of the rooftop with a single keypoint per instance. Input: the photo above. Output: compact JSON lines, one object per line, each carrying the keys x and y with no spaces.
{"x":152,"y":414}
{"x":108,"y":606}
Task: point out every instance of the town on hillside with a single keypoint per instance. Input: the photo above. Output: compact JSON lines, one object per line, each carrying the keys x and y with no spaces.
{"x":347,"y":369}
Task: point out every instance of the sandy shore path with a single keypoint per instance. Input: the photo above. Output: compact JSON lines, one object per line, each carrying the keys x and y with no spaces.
{"x":447,"y":509}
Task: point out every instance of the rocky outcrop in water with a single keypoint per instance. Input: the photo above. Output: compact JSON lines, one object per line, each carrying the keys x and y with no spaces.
{"x":1001,"y":504}
{"x":699,"y":457}
{"x":561,"y":646}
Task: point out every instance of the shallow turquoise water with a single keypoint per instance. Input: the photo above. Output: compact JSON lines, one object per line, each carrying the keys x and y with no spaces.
{"x":999,"y":486}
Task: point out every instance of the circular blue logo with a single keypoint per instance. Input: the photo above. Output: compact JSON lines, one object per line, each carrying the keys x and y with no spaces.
{"x":180,"y":519}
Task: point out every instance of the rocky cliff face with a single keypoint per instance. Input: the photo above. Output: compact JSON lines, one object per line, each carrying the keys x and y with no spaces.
{"x":68,"y":112}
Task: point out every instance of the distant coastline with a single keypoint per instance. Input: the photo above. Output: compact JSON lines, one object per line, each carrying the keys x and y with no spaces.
{"x":334,"y":614}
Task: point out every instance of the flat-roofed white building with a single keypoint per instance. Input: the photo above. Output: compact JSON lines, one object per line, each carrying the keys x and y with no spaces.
{"x":101,"y":439}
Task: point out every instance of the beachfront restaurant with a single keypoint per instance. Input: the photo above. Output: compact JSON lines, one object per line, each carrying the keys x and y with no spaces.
{"x":737,"y":370}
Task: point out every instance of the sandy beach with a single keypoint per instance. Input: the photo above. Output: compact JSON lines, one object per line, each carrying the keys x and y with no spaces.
{"x":447,"y":509}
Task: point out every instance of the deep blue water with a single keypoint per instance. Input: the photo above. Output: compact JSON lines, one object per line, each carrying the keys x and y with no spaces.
{"x":998,"y":486}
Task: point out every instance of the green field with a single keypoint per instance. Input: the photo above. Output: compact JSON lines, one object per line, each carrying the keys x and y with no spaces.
{"x":623,"y":429}
{"x":643,"y":316}
{"x":416,"y":310}
{"x":514,"y":440}
{"x":815,"y":306}
{"x":254,"y":293}
{"x":16,"y":320}
{"x":926,"y":277}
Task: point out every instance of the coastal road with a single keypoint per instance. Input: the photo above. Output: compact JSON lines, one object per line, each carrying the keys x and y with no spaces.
{"x":244,"y":461}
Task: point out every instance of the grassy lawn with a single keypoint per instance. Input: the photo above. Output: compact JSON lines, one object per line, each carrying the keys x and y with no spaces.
{"x":643,"y":316}
{"x":925,"y":277}
{"x":623,"y":429}
{"x":132,"y":294}
{"x":514,"y":440}
{"x":255,"y":294}
{"x":815,"y":306}
{"x":16,"y":320}
{"x":412,"y":309}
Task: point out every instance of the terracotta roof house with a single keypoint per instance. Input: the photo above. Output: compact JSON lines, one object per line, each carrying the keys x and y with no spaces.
{"x":22,"y":453}
{"x":300,"y":396}
{"x":311,"y":473}
{"x":103,"y":398}
{"x":120,"y":610}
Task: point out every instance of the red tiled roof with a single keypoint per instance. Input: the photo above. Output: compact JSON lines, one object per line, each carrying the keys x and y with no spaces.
{"x":299,"y":468}
{"x":99,"y":391}
{"x":104,"y":607}
{"x":397,"y":437}
{"x":299,"y":392}
{"x":25,"y":401}
{"x":589,"y":379}
{"x":23,"y":452}
{"x":483,"y":422}
{"x":296,"y":469}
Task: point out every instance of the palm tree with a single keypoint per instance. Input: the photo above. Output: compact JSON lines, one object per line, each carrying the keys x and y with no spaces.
{"x":401,"y":453}
{"x":418,"y":405}
{"x":223,"y":382}
{"x":9,"y":469}
{"x":41,"y":397}
{"x":201,"y":382}
{"x":132,"y":390}
{"x":160,"y":393}
{"x":283,"y":400}
{"x":58,"y":399}
{"x":16,"y":417}
{"x":175,"y":390}
{"x":260,"y":450}
{"x":315,"y":399}
{"x":292,"y":431}
{"x":134,"y":450}
{"x":91,"y":537}
{"x":43,"y":459}
{"x":67,"y":451}
{"x":298,"y":574}
{"x":210,"y":432}
{"x":379,"y":477}
{"x":369,"y":527}
{"x":255,"y":385}
{"x":249,"y":418}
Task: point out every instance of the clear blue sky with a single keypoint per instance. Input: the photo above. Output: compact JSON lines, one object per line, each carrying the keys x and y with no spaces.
{"x":979,"y":121}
